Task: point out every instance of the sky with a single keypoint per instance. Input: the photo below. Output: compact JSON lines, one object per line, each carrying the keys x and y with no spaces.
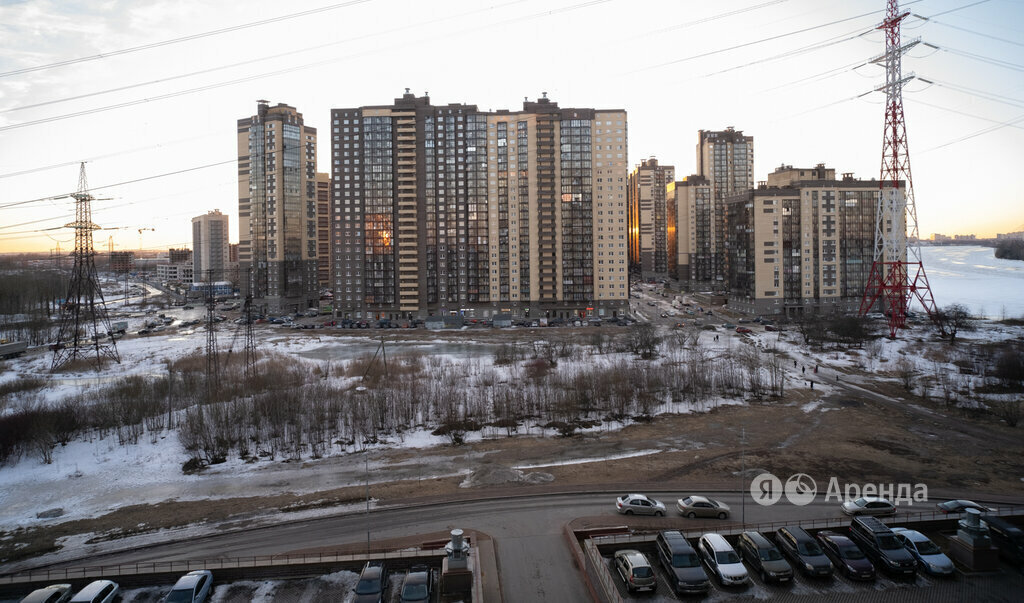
{"x":148,"y":93}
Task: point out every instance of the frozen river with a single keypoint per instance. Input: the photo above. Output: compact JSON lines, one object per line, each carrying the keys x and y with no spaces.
{"x":972,"y":276}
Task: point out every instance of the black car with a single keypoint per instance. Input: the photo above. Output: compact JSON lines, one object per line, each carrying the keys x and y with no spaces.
{"x":372,"y":582}
{"x":846,"y":555}
{"x":1007,"y":537}
{"x":803,"y":550}
{"x":960,"y":505}
{"x":882,"y":546}
{"x":681,"y":563}
{"x":416,"y":586}
{"x":763,"y":557}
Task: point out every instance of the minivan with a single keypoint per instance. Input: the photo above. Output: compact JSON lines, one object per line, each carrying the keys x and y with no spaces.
{"x":764,"y":557}
{"x":681,"y":563}
{"x":1008,"y":537}
{"x":722,"y":559}
{"x":880,"y":544}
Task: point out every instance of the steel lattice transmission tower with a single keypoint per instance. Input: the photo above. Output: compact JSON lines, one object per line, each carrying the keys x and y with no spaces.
{"x":897,"y":274}
{"x":250,"y":340}
{"x":84,"y":324}
{"x":212,"y":361}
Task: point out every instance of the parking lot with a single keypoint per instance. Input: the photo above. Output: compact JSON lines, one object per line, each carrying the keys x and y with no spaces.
{"x":1005,"y":585}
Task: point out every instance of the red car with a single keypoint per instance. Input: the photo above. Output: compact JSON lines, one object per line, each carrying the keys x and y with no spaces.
{"x":743,"y":330}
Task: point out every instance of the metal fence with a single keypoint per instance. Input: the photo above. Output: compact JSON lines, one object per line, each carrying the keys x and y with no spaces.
{"x":599,"y":569}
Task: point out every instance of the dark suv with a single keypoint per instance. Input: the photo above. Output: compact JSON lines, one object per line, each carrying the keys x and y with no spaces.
{"x":681,"y":563}
{"x":846,"y":556}
{"x":1008,"y":537}
{"x":880,"y":544}
{"x":372,"y":582}
{"x":804,"y":551}
{"x":763,"y":557}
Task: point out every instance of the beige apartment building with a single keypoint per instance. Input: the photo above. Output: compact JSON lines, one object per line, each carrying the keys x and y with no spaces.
{"x":726,"y":159}
{"x":652,"y":220}
{"x":210,"y":247}
{"x":277,"y":209}
{"x":694,"y":227}
{"x":447,"y":209}
{"x":801,"y":242}
{"x":323,"y":230}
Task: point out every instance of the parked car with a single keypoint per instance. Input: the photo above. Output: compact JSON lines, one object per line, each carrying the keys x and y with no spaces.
{"x":639,"y":504}
{"x":187,"y":307}
{"x":929,"y":556}
{"x":193,"y":587}
{"x":869,"y":505}
{"x":743,"y":330}
{"x":54,"y":593}
{"x":372,"y":582}
{"x":416,"y":586}
{"x":681,"y":563}
{"x":722,"y":559}
{"x":1008,"y":537}
{"x":728,"y":326}
{"x":804,"y":551}
{"x":634,"y":569}
{"x":880,"y":544}
{"x":846,"y":555}
{"x":701,"y":506}
{"x":763,"y":557}
{"x":97,"y":591}
{"x":960,"y":505}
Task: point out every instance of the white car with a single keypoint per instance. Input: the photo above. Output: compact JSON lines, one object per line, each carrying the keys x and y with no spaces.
{"x":869,"y":505}
{"x":639,"y":504}
{"x":193,"y":587}
{"x":722,"y":559}
{"x":928,"y":555}
{"x":98,"y":591}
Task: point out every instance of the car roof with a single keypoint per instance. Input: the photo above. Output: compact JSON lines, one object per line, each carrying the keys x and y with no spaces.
{"x":758,"y":539}
{"x":634,"y":556}
{"x":717,"y":541}
{"x":875,"y":499}
{"x":872,"y":523}
{"x":698,"y":498}
{"x":797,"y":532}
{"x":92,"y":588}
{"x":42,"y":594}
{"x":189,"y":580}
{"x":675,"y":540}
{"x":835,"y":537}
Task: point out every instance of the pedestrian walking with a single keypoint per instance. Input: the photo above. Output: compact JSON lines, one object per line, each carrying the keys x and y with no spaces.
{"x":803,"y":370}
{"x":812,"y":384}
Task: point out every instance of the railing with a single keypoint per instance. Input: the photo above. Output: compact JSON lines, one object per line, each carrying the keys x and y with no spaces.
{"x":255,"y":561}
{"x":601,"y":572}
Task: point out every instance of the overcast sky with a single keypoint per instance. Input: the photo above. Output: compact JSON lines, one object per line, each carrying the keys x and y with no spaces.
{"x":789,"y":72}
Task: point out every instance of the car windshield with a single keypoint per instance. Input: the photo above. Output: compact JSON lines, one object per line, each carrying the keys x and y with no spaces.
{"x":687,"y":501}
{"x":179,"y":596}
{"x":685,"y":560}
{"x":889,"y":542}
{"x":642,"y":572}
{"x":852,"y":552}
{"x":808,"y":548}
{"x":770,"y":555}
{"x":368,"y":586}
{"x":414,"y":592}
{"x":723,"y":557}
{"x":927,"y":547}
{"x":860,"y":502}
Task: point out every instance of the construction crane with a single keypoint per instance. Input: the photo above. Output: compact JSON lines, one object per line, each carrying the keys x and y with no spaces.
{"x":140,"y":236}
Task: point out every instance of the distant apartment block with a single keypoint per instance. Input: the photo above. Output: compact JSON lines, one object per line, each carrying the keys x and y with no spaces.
{"x":179,"y":256}
{"x":442,"y":210}
{"x":652,"y":220}
{"x":175,"y":272}
{"x":968,"y":237}
{"x":122,"y":261}
{"x":695,"y":248}
{"x":726,"y":159}
{"x":323,"y":230}
{"x":940,"y":238}
{"x":1010,"y":235}
{"x":803,"y":242}
{"x":209,"y":246}
{"x":277,"y":209}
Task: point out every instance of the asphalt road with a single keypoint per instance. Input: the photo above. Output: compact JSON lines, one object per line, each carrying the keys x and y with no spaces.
{"x":533,"y":558}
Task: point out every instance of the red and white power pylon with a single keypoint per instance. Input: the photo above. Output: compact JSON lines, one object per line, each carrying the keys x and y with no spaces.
{"x":897,"y":274}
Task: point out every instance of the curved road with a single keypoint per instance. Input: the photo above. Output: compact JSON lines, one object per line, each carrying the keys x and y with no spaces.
{"x":531,"y":549}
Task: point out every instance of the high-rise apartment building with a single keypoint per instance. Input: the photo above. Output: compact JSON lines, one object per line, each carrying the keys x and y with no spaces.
{"x":209,"y":247}
{"x":453,"y":210}
{"x":726,"y":159}
{"x":277,"y":213}
{"x":179,"y":256}
{"x":694,"y":215}
{"x":652,"y":220}
{"x":323,"y":230}
{"x":802,"y":242}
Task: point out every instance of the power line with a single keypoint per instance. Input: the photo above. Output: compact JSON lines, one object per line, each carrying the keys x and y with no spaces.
{"x":206,"y":34}
{"x":999,"y":126}
{"x":704,"y":20}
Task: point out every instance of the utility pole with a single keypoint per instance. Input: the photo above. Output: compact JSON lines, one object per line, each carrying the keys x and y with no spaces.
{"x":84,"y":322}
{"x":212,"y":368}
{"x":250,"y":338}
{"x":743,"y":474}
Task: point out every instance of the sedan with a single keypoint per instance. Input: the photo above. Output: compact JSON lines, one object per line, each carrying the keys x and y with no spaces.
{"x":701,"y":506}
{"x":846,"y":555}
{"x":193,"y":587}
{"x":416,"y":586}
{"x":639,"y":504}
{"x":869,"y":505}
{"x":372,"y":582}
{"x":743,"y":330}
{"x":930,"y":558}
{"x":960,"y":505}
{"x":54,"y":593}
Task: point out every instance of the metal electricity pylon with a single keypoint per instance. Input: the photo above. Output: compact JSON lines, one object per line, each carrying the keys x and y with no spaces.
{"x":84,"y":324}
{"x":897,"y":274}
{"x":250,"y":340}
{"x":212,"y":362}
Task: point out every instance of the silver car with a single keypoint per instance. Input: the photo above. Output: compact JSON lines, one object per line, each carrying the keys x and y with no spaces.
{"x":701,"y":506}
{"x":634,"y":569}
{"x":869,"y":505}
{"x":193,"y":587}
{"x":639,"y":504}
{"x":930,"y":558}
{"x":54,"y":593}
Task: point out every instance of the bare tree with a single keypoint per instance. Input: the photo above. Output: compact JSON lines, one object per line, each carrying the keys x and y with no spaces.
{"x":953,"y":319}
{"x":644,"y":341}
